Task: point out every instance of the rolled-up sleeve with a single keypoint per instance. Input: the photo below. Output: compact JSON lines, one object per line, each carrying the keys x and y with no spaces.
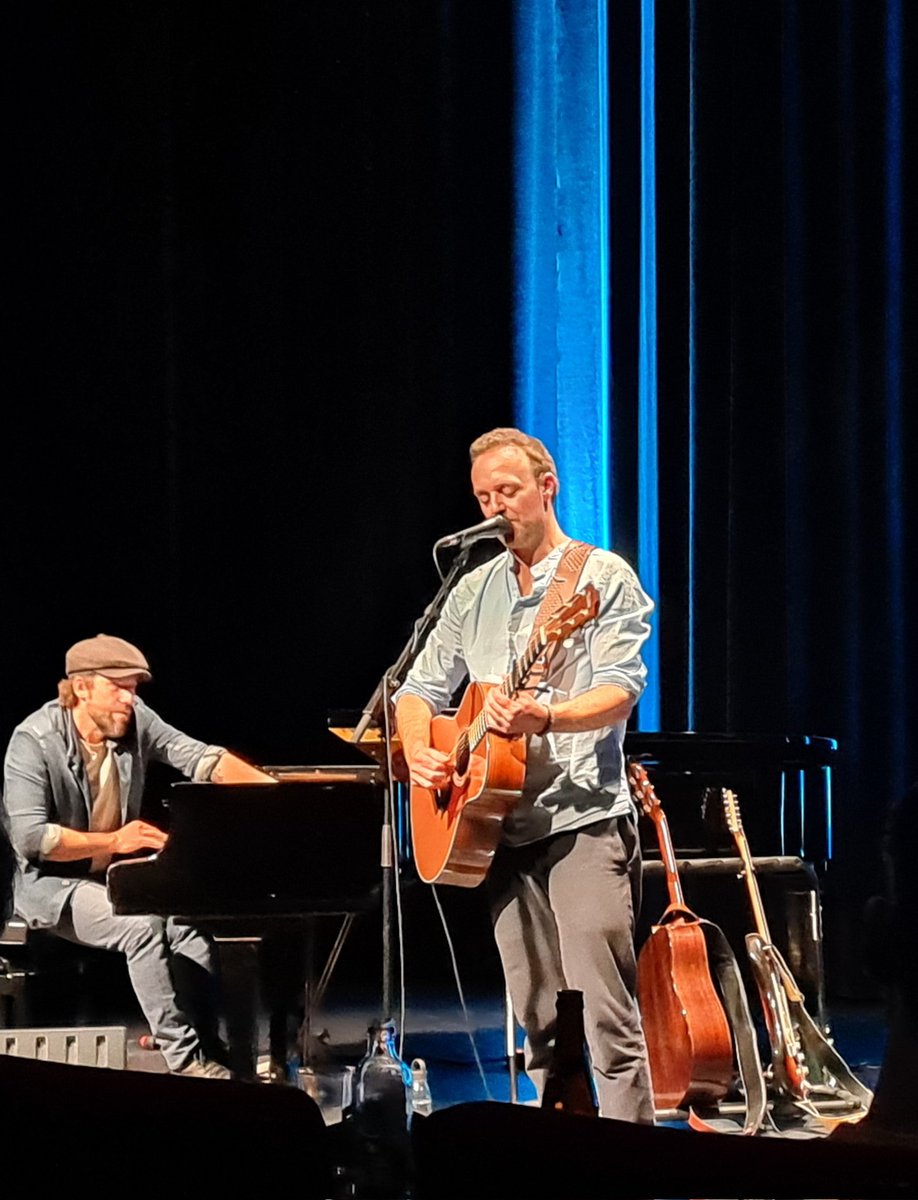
{"x":27,"y":795}
{"x":164,"y":743}
{"x":440,"y":667}
{"x":616,"y":637}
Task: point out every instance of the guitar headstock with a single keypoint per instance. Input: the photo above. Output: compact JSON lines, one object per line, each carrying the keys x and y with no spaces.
{"x":582,"y":607}
{"x":642,"y":788}
{"x":731,"y":811}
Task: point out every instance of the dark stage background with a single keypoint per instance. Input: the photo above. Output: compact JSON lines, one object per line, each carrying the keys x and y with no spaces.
{"x":258,"y":301}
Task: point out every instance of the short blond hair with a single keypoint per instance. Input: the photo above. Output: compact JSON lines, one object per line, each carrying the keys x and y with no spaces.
{"x":542,"y":462}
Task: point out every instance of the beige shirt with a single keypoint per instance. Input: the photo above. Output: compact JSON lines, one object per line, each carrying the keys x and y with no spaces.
{"x":105,"y":791}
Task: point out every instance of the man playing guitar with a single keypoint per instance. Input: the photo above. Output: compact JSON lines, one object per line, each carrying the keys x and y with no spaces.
{"x":564,"y":886}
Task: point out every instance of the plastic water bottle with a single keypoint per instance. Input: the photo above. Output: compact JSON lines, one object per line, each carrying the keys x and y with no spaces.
{"x":421,"y":1099}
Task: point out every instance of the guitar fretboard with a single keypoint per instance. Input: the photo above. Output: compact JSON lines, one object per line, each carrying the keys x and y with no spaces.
{"x":735,"y":826}
{"x":512,"y":682}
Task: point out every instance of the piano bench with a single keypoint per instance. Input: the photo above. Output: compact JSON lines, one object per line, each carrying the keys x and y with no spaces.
{"x":46,"y":980}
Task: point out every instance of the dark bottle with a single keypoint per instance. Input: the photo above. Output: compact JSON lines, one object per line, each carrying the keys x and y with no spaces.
{"x":380,"y":1116}
{"x":382,"y":1087}
{"x":569,"y":1084}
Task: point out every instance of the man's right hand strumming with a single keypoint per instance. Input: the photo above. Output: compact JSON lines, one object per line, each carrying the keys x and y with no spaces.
{"x":430,"y":768}
{"x":427,"y":767}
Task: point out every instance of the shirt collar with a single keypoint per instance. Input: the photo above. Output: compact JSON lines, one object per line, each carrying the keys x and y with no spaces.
{"x":543,"y":570}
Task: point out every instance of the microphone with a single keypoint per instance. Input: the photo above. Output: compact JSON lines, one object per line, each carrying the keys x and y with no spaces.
{"x":497,"y":526}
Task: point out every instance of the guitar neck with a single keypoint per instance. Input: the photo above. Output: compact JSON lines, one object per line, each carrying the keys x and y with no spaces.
{"x":752,"y":886}
{"x":673,"y":882}
{"x":511,"y":683}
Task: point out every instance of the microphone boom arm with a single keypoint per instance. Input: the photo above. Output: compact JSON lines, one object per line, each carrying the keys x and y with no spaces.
{"x":394,"y":676}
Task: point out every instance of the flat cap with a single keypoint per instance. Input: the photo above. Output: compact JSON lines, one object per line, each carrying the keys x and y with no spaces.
{"x":106,"y":655}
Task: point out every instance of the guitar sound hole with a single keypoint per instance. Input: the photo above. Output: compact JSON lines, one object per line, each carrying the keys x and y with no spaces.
{"x":443,"y":799}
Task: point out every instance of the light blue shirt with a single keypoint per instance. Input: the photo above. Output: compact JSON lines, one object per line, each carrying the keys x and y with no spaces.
{"x":572,"y":779}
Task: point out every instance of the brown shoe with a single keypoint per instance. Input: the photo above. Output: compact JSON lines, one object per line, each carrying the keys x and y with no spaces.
{"x":203,"y":1068}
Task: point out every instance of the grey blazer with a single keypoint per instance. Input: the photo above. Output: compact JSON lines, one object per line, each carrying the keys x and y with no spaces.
{"x":45,"y":784}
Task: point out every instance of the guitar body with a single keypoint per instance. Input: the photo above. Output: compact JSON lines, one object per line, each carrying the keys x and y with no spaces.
{"x":454,"y":833}
{"x":689,"y":1045}
{"x":788,"y":1066}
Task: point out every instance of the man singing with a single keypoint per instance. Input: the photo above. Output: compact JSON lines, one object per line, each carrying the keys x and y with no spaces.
{"x":565,"y":883}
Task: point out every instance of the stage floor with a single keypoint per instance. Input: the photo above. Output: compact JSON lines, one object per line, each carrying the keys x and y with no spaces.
{"x":465,"y":1053}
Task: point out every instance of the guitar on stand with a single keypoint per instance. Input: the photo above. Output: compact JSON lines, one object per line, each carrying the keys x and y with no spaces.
{"x":455,"y":830}
{"x":806,"y":1069}
{"x":689,"y":1043}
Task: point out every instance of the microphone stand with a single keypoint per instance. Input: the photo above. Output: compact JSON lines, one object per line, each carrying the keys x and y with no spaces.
{"x":375,"y":713}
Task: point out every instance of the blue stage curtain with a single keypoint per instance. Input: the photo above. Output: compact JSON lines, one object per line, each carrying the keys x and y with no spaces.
{"x":563,"y":344}
{"x":561,"y":286}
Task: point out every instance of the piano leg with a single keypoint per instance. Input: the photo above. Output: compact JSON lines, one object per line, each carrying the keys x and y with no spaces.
{"x":284,"y":965}
{"x":239,"y":981}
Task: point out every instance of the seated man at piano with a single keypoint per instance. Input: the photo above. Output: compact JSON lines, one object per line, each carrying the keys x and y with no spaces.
{"x":565,"y":882}
{"x":73,"y":785}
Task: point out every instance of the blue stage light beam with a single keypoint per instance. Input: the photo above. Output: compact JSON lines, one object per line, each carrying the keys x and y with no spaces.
{"x":563,"y":364}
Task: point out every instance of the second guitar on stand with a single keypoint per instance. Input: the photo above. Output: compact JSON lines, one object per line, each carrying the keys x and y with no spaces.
{"x":689,"y":1043}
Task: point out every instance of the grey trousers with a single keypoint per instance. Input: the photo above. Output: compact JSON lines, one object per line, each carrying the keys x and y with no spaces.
{"x":172,"y":969}
{"x":563,"y":910}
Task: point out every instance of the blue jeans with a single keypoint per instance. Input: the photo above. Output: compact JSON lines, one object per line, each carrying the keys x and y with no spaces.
{"x":172,"y":967}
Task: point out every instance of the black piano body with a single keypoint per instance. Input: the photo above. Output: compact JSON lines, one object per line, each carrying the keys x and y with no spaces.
{"x":249,"y":861}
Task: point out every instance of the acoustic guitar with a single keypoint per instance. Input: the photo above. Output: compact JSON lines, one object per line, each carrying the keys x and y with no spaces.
{"x":455,"y":830}
{"x":805,"y":1066}
{"x":689,"y":1044}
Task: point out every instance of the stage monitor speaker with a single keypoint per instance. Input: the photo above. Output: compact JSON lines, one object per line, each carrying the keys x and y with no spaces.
{"x":89,"y":1046}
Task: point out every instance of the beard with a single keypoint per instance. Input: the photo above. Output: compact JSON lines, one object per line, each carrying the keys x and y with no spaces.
{"x":111,"y":725}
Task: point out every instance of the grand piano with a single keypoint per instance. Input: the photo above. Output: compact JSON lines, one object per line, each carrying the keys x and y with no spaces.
{"x":255,"y":862}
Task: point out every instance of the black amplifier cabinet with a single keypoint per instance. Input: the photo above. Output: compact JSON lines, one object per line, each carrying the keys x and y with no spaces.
{"x":713,"y":889}
{"x":783,"y":785}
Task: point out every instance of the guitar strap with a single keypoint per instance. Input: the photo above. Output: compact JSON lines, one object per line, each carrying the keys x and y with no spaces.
{"x":821,"y":1054}
{"x":736,"y":1006}
{"x":720,"y":954}
{"x":825,"y":1066}
{"x":562,"y":587}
